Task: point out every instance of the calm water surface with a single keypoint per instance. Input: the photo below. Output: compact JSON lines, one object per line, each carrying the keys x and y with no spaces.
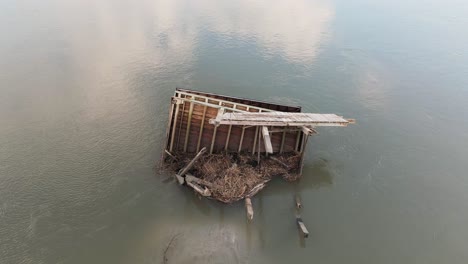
{"x":84,"y":90}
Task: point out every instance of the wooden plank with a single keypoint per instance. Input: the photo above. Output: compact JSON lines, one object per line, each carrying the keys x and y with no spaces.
{"x":267,"y":140}
{"x":184,"y":170}
{"x":191,"y":178}
{"x":280,"y":119}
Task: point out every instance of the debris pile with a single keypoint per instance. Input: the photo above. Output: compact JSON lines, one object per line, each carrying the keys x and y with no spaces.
{"x":229,"y":177}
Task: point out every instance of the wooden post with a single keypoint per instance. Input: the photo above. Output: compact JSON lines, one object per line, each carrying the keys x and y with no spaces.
{"x":255,"y":141}
{"x":298,"y":202}
{"x":302,"y":227}
{"x":282,"y":141}
{"x":306,"y":139}
{"x":255,"y":137}
{"x":218,"y":118}
{"x":227,"y":138}
{"x":249,"y":208}
{"x":187,"y":132}
{"x":241,"y":139}
{"x":298,"y":140}
{"x":201,"y":128}
{"x":169,"y":121}
{"x":180,"y":125}
{"x":266,"y":138}
{"x":174,"y":127}
{"x":259,"y":149}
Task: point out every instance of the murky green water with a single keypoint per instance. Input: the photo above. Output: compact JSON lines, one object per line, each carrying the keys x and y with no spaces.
{"x":84,"y":89}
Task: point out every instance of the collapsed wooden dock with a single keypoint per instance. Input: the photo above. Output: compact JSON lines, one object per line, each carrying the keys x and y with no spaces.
{"x":233,"y":137}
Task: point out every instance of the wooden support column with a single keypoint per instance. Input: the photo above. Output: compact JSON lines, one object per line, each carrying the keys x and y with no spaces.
{"x":259,"y":149}
{"x":218,"y":118}
{"x":174,"y":125}
{"x":267,"y":140}
{"x":298,"y":139}
{"x":180,"y":125}
{"x":187,"y":132}
{"x":255,"y":137}
{"x":169,"y":121}
{"x":227,"y":138}
{"x":305,"y":140}
{"x":282,"y":141}
{"x":201,"y":127}
{"x":255,"y":141}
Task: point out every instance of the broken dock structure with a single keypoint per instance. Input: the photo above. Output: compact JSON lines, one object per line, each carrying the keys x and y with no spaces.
{"x":231,"y":147}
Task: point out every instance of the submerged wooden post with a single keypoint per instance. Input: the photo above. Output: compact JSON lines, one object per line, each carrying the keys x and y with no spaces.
{"x":249,"y":208}
{"x":298,"y":202}
{"x":301,"y":226}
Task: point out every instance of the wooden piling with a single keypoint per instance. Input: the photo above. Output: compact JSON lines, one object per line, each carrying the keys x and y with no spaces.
{"x":249,"y":208}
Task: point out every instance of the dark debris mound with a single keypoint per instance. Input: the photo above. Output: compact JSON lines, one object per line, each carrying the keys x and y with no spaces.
{"x":234,"y":175}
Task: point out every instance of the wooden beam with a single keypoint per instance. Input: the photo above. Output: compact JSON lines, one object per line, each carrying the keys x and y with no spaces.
{"x":267,"y":140}
{"x":184,"y":170}
{"x":190,"y":178}
{"x":249,"y":208}
{"x":187,"y":132}
{"x":281,"y":119}
{"x":202,"y":191}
